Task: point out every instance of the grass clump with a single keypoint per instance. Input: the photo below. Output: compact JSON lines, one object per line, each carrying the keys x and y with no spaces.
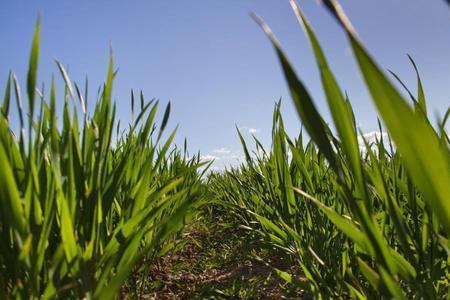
{"x":361,"y":222}
{"x":82,"y":203}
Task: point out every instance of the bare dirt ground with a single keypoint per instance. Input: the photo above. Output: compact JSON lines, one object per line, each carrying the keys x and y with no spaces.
{"x":214,"y":262}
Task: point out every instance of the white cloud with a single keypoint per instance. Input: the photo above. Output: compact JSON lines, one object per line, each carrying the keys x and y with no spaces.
{"x":223,"y":158}
{"x":209,"y":157}
{"x":371,"y":138}
{"x":222,"y":151}
{"x":250,"y":130}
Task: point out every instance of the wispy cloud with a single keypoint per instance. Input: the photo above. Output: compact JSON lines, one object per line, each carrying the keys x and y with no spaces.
{"x":209,"y":157}
{"x":222,"y":151}
{"x":248,"y":129}
{"x":223,"y":157}
{"x":372,"y":138}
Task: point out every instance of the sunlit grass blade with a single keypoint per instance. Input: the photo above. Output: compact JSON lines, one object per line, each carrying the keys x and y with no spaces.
{"x":420,"y":92}
{"x":11,"y":203}
{"x":427,"y":161}
{"x":342,"y":223}
{"x":341,"y":115}
{"x":66,"y":78}
{"x":80,"y":97}
{"x":306,"y":109}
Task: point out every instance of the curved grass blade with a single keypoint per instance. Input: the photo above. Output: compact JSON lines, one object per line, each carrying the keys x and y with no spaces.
{"x":66,"y":79}
{"x":11,"y":204}
{"x":420,"y":92}
{"x":306,"y":109}
{"x":345,"y":225}
{"x":80,"y":97}
{"x":342,"y":117}
{"x":425,"y":158}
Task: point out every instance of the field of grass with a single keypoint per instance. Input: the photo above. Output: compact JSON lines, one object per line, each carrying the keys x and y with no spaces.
{"x":93,"y":210}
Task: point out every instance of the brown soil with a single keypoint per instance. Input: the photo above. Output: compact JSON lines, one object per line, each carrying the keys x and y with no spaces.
{"x":214,"y":263}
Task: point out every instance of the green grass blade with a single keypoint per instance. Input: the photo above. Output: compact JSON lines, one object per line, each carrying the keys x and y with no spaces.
{"x":32,"y":69}
{"x":244,"y":146}
{"x":347,"y":226}
{"x":420,"y":92}
{"x":66,"y":78}
{"x":343,"y":120}
{"x":165,"y":120}
{"x":425,"y":158}
{"x":7,"y":98}
{"x":306,"y":109}
{"x":11,"y":203}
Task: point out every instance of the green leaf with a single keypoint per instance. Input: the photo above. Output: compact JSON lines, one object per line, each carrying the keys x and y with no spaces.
{"x":420,"y":93}
{"x":165,"y":120}
{"x":371,"y":275}
{"x":32,"y":68}
{"x":343,"y":119}
{"x":66,"y":78}
{"x":426,"y":160}
{"x":306,"y":109}
{"x":67,"y":231}
{"x":7,"y":97}
{"x":344,"y":224}
{"x":10,"y":201}
{"x":391,"y":285}
{"x":244,"y":146}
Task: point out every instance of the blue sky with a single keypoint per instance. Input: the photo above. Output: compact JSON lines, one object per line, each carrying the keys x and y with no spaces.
{"x":214,"y":62}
